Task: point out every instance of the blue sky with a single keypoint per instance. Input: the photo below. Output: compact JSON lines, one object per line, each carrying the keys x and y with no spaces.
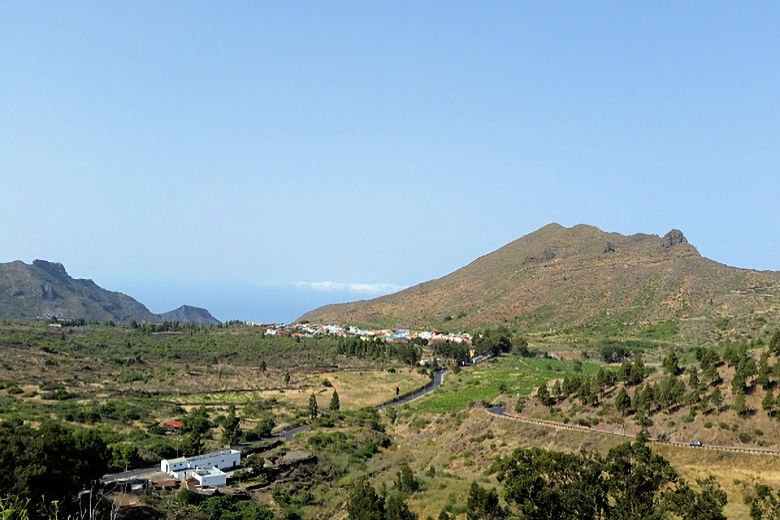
{"x":259,"y":159}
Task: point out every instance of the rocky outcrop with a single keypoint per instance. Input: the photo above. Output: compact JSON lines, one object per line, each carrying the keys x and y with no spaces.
{"x":559,"y":277}
{"x":673,"y":238}
{"x":45,"y":290}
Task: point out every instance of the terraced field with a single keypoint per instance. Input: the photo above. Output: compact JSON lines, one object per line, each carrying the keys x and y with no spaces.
{"x":511,"y":375}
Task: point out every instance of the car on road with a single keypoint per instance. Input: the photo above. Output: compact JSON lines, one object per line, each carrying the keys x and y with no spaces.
{"x":695,"y":443}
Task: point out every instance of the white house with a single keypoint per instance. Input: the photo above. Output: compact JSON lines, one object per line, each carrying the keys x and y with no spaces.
{"x":206,"y":468}
{"x":210,"y":477}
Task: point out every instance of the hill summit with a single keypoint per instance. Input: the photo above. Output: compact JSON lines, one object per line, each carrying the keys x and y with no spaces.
{"x":565,"y":277}
{"x":45,"y":290}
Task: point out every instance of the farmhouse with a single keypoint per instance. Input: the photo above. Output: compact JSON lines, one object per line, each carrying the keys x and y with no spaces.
{"x":206,"y":468}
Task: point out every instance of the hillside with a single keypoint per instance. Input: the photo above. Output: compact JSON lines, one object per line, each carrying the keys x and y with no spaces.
{"x":45,"y":290}
{"x":189,"y":314}
{"x":718,"y":395}
{"x":565,"y":277}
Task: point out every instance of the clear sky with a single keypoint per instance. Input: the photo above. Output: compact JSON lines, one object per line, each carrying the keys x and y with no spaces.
{"x":262,"y":158}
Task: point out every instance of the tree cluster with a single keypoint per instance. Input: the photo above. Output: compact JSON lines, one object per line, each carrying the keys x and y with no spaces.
{"x":52,"y":463}
{"x":588,"y":389}
{"x":493,"y":342}
{"x":630,"y":482}
{"x":764,"y":503}
{"x":377,"y":348}
{"x":365,"y":503}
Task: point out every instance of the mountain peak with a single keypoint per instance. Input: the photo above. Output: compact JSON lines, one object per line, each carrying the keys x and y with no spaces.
{"x":53,"y":268}
{"x":45,"y":290}
{"x":190,"y":314}
{"x":567,"y":277}
{"x":673,"y":238}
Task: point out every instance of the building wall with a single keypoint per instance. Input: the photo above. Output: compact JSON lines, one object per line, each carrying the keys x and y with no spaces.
{"x":221,"y":460}
{"x":211,"y":479}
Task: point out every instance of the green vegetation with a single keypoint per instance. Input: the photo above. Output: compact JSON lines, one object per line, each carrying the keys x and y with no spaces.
{"x":428,"y":458}
{"x":630,"y":482}
{"x":51,"y":463}
{"x":666,"y":293}
{"x":763,"y":501}
{"x":510,"y":375}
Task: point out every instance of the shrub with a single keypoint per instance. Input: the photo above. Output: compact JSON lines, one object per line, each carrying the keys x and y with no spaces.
{"x":261,"y":431}
{"x":745,"y":437}
{"x":708,"y":425}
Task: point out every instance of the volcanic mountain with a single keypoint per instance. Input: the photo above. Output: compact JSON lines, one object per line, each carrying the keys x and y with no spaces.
{"x":558,"y":277}
{"x":45,"y":290}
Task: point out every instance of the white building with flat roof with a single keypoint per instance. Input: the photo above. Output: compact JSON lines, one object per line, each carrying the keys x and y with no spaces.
{"x":206,"y":468}
{"x":210,"y":477}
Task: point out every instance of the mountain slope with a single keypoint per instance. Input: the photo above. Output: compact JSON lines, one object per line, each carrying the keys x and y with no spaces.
{"x":44,"y":289}
{"x":558,"y":277}
{"x":190,"y":314}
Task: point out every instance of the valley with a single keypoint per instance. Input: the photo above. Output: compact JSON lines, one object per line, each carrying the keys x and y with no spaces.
{"x":126,"y":382}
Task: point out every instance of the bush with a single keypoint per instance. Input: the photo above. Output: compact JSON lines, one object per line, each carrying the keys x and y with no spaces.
{"x":156,"y":429}
{"x":745,"y":437}
{"x":261,"y":431}
{"x":708,"y":425}
{"x":723,"y":426}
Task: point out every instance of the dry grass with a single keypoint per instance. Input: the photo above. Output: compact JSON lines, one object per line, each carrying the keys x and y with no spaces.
{"x":453,"y":445}
{"x":356,"y":389}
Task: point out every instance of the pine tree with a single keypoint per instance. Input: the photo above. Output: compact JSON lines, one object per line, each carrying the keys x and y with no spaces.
{"x":557,"y":390}
{"x":543,"y":394}
{"x":192,"y":444}
{"x":405,"y":481}
{"x":313,"y":410}
{"x":671,"y":363}
{"x":396,"y":509}
{"x":334,"y":402}
{"x":364,"y":503}
{"x":231,"y":430}
{"x":640,"y":401}
{"x":623,"y":401}
{"x":739,"y":404}
{"x":711,"y":375}
{"x":717,"y":398}
{"x":637,"y":374}
{"x":764,"y":370}
{"x":774,"y":343}
{"x":483,"y":504}
{"x":693,"y":378}
{"x":768,"y":402}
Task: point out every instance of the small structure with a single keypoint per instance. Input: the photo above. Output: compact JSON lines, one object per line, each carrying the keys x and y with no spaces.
{"x":210,"y":477}
{"x":206,"y":468}
{"x":174,"y":425}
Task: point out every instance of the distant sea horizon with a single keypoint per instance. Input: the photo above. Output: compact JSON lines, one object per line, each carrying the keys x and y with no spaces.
{"x":266,"y":303}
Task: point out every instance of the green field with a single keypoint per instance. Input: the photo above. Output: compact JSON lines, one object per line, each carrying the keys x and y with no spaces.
{"x":509,"y":375}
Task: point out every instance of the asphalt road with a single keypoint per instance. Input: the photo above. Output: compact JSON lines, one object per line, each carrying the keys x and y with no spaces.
{"x":501,"y":412}
{"x":289,"y":433}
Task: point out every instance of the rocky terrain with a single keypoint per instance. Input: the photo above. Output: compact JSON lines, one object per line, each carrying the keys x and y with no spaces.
{"x":582,"y":276}
{"x":45,"y":290}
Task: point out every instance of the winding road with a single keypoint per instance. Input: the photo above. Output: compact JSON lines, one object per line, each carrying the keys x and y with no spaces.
{"x":288,"y":433}
{"x":500,"y":411}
